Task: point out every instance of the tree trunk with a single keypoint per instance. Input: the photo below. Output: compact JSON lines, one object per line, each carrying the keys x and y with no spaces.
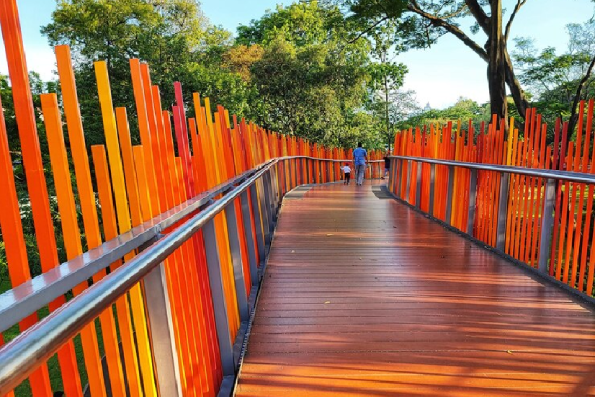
{"x":572,"y":122}
{"x":516,"y":91}
{"x":496,"y":63}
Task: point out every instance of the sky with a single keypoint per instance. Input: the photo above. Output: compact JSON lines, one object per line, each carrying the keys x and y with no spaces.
{"x":439,"y":75}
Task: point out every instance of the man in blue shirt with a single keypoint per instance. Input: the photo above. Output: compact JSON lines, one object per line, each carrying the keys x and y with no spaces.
{"x":360,"y":157}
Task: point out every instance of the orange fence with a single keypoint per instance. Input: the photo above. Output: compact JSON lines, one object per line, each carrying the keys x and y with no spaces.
{"x":179,"y":158}
{"x":571,"y":259}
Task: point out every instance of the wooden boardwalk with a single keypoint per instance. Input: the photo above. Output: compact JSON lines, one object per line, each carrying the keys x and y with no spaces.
{"x":365,"y":297}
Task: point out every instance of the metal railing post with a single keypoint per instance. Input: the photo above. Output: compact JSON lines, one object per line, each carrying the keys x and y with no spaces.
{"x":266,"y":223}
{"x":269,"y":201}
{"x":277,"y":194}
{"x":283,"y":177}
{"x":451,"y":181}
{"x":391,"y":177}
{"x":547,"y":223}
{"x":218,"y":297}
{"x":235,"y":250}
{"x":303,"y":173}
{"x":257,"y":222}
{"x":408,"y":176}
{"x":418,"y":186}
{"x":250,"y":242}
{"x":319,"y":172}
{"x":472,"y":201}
{"x":432,"y":184}
{"x":236,"y":260}
{"x":161,"y":332}
{"x":502,"y":206}
{"x":395,"y":176}
{"x":399,"y":177}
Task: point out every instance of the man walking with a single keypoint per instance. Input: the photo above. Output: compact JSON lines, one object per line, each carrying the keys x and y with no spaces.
{"x":360,"y":158}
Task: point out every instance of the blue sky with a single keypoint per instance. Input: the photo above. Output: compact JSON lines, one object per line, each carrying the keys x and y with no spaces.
{"x":439,"y":75}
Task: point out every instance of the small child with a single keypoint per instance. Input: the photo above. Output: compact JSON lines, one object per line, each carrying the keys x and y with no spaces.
{"x":347,"y":171}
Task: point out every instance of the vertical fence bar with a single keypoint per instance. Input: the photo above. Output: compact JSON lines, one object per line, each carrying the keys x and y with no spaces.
{"x":275,"y":185}
{"x":391,"y":176}
{"x":283,"y":179}
{"x":257,"y":221}
{"x":236,"y":260}
{"x":264,"y":212}
{"x":271,"y":198}
{"x":472,"y":201}
{"x":418,"y":186}
{"x":408,"y":176}
{"x":161,"y":329}
{"x":249,"y":237}
{"x":432,"y":183}
{"x":547,"y":224}
{"x":451,"y":180}
{"x":399,"y":177}
{"x":501,"y":230}
{"x":304,"y":179}
{"x":218,"y":297}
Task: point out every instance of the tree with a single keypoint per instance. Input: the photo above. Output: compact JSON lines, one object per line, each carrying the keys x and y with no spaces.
{"x":387,"y":102}
{"x":173,"y":36}
{"x":386,"y":78}
{"x":309,"y":80}
{"x":422,"y":22}
{"x":559,"y":82}
{"x":464,"y":109}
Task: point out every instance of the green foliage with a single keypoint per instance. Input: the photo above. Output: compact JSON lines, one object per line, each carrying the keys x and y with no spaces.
{"x":171,"y":35}
{"x":464,"y":110}
{"x":310,"y":79}
{"x":553,"y":79}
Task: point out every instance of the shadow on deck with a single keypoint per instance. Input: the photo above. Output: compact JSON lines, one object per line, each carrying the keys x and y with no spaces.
{"x":365,"y":297}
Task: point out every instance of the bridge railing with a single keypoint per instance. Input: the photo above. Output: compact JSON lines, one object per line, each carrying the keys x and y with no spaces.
{"x":521,"y":212}
{"x":249,"y":202}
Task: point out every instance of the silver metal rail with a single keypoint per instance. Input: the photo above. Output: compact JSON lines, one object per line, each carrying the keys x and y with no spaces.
{"x":578,"y":177}
{"x":547,"y":216}
{"x":28,"y":297}
{"x":24,"y":354}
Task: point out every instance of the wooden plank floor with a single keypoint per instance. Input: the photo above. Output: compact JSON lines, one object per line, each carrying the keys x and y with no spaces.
{"x":364,"y":297}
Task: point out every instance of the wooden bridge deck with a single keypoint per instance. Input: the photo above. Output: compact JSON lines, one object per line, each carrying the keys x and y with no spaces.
{"x":365,"y":297}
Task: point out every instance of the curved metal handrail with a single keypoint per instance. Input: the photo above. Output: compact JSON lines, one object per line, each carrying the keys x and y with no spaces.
{"x":23,"y":354}
{"x":579,"y":177}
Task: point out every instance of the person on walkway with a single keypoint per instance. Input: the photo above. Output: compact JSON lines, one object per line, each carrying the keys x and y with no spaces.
{"x":347,"y":172}
{"x":360,"y":158}
{"x":386,"y":164}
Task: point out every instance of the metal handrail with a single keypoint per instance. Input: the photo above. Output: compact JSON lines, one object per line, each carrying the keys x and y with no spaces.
{"x":23,"y":354}
{"x":25,"y":299}
{"x":533,"y":172}
{"x":38,"y":343}
{"x":21,"y":301}
{"x":398,"y":180}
